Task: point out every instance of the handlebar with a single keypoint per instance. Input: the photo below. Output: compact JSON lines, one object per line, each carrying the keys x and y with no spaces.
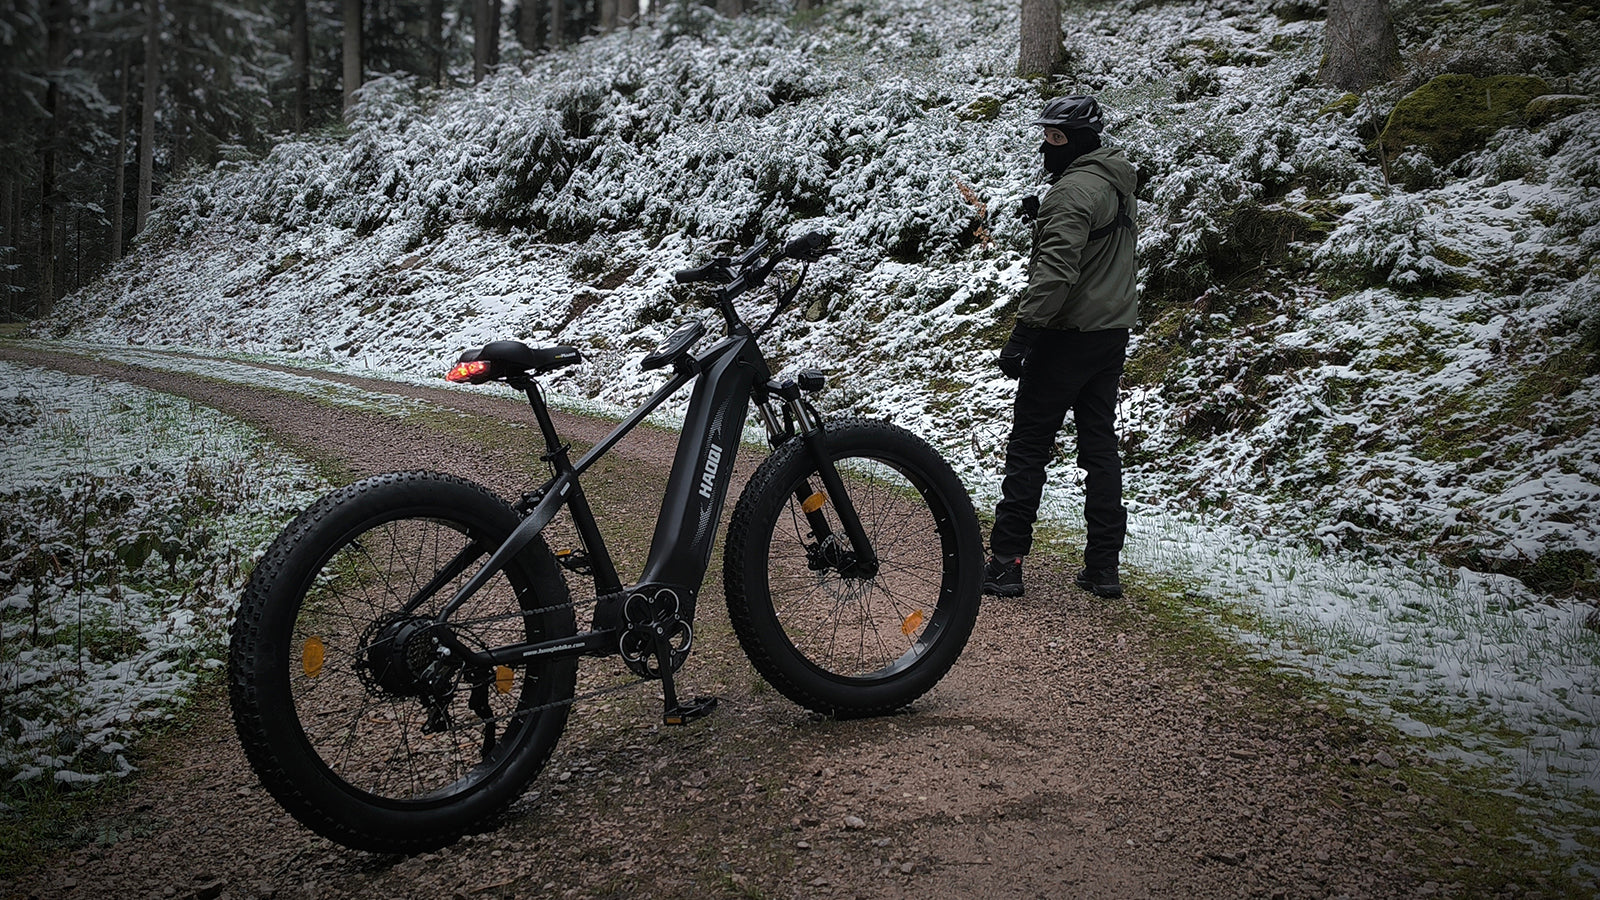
{"x":809,"y":247}
{"x":752,"y":272}
{"x":806,"y":248}
{"x":716,"y":270}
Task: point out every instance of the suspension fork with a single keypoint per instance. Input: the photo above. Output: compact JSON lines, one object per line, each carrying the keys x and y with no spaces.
{"x":807,"y":426}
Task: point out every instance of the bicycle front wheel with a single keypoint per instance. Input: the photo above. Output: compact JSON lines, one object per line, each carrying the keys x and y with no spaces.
{"x":826,"y":634}
{"x":350,"y":713}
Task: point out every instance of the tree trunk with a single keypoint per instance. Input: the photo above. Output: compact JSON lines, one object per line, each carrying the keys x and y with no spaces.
{"x":627,"y":13}
{"x":8,"y":244}
{"x":1041,"y":38}
{"x":55,"y":54}
{"x":147,"y":111}
{"x":558,"y":24}
{"x":119,"y":177}
{"x":436,"y":42}
{"x":730,"y":8}
{"x":530,"y":24}
{"x":480,"y":39}
{"x":608,"y":16}
{"x":1359,"y":44}
{"x":352,"y":50}
{"x":494,"y":33}
{"x":300,"y":66}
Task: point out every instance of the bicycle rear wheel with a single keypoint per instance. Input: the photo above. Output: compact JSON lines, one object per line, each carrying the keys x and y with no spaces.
{"x":830,"y":639}
{"x":347,"y":710}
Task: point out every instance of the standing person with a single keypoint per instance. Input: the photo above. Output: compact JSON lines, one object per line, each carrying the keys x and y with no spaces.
{"x":1068,"y":346}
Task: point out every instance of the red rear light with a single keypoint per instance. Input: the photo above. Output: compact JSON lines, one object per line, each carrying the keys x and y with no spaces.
{"x":473,"y":372}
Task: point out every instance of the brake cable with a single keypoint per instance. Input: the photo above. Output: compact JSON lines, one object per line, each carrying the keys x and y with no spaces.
{"x":784,"y":301}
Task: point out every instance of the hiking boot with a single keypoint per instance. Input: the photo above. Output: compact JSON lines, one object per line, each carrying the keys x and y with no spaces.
{"x":1003,"y":578}
{"x":1100,"y":584}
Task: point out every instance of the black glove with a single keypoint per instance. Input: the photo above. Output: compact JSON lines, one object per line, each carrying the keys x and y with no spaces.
{"x":1014,"y":355}
{"x":1030,"y":208}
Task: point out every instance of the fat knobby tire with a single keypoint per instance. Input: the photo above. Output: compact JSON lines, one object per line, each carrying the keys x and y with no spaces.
{"x":263,"y":657}
{"x":931,"y":492}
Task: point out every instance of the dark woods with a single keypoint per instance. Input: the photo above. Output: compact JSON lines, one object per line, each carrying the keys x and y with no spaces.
{"x":102,"y":102}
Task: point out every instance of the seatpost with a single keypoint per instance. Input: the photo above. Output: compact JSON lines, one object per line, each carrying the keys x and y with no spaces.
{"x":541,"y":411}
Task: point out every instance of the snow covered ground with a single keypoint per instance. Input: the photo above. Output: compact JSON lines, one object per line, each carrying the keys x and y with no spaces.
{"x":127,"y":516}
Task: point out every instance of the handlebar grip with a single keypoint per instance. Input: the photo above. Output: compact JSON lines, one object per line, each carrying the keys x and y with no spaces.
{"x":809,"y":246}
{"x":715,"y":270}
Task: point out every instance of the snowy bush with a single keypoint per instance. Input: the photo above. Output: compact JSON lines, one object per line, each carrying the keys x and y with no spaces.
{"x":124,"y":542}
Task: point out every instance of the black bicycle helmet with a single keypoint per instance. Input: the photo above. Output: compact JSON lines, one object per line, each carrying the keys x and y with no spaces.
{"x":1067,"y":113}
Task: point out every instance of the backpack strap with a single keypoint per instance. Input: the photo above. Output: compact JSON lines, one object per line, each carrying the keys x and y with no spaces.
{"x":1123,"y":220}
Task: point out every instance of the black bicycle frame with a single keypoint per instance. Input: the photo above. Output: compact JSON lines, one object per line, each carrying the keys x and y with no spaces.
{"x":729,"y":373}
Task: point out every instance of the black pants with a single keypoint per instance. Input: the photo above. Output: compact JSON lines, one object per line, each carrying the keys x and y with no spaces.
{"x":1077,"y":371}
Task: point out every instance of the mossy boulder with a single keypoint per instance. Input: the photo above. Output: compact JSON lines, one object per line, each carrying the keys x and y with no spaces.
{"x":1452,"y":115}
{"x":1550,"y":107}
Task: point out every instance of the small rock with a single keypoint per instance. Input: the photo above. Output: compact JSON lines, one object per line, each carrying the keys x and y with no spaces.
{"x":854,"y":823}
{"x":1228,"y":857}
{"x":1385,"y":760}
{"x":1243,"y":754}
{"x":803,"y":845}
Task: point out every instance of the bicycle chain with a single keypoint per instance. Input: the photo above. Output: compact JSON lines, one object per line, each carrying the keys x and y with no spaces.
{"x":599,"y":692}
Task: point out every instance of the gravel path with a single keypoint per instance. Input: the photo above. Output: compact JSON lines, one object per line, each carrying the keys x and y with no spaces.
{"x":1064,"y":756}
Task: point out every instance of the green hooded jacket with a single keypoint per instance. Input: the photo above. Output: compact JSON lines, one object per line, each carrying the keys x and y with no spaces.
{"x":1075,"y":283}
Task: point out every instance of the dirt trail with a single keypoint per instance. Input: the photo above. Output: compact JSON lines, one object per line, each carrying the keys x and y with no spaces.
{"x":1062,"y":757}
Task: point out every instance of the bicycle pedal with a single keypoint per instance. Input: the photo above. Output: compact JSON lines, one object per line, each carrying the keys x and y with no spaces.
{"x":574,"y":561}
{"x":684,"y":713}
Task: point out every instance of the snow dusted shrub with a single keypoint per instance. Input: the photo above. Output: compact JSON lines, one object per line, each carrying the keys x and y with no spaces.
{"x":1415,"y":171}
{"x":125,"y":536}
{"x":1389,"y":242}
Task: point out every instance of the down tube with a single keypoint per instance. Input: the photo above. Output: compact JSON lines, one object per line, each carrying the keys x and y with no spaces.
{"x":680,"y":551}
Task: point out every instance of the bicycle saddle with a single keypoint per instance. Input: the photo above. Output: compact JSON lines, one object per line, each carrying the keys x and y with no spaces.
{"x":505,"y":358}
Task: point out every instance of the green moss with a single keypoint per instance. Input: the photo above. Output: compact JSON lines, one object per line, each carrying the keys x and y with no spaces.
{"x":1550,"y":107}
{"x":1455,"y":114}
{"x":1344,"y":107}
{"x":983,"y":109}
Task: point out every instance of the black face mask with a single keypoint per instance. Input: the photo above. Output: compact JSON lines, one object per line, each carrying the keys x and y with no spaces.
{"x":1058,"y":158}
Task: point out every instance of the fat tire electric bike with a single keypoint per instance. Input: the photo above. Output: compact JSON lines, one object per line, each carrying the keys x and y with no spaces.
{"x":405,"y":653}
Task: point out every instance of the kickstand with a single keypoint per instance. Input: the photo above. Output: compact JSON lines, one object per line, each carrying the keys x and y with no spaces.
{"x":675,"y":713}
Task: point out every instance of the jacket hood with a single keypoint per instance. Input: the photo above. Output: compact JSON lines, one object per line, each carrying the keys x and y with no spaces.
{"x":1111,"y":164}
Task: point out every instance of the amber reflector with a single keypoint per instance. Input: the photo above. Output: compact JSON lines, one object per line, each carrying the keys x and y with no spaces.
{"x":814,"y":502}
{"x":502,"y":679}
{"x":911,"y":623}
{"x":311,"y":656}
{"x":464,"y":372}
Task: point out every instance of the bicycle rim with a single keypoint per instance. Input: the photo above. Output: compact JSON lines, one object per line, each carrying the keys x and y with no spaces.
{"x":399,"y":736}
{"x":864,"y":629}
